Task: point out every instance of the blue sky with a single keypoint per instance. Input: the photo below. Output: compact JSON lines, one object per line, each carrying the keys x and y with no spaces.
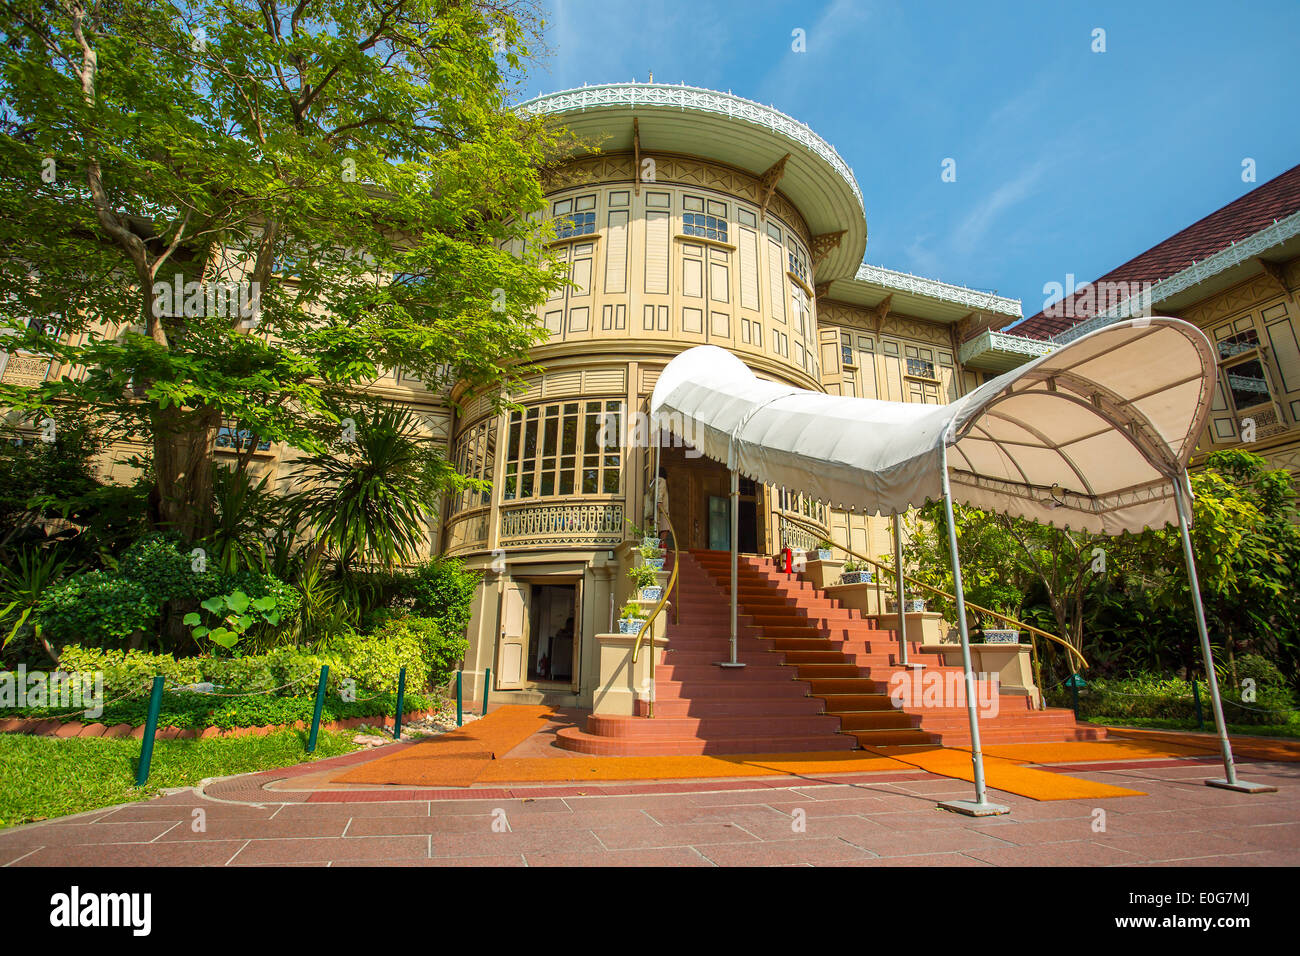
{"x":1067,"y":161}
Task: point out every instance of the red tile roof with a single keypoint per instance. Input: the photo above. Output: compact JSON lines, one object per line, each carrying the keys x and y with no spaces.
{"x":1258,"y":209}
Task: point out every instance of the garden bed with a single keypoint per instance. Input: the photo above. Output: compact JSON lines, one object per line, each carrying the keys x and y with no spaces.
{"x":188,"y":716}
{"x":49,"y":727}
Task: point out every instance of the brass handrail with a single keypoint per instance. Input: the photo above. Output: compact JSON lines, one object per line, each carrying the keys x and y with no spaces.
{"x":663,"y":599}
{"x":1021,"y":625}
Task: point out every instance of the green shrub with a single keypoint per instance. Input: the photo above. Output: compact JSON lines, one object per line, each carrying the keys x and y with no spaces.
{"x":106,"y":607}
{"x":157,"y":564}
{"x":372,"y":661}
{"x":442,"y":589}
{"x":442,"y":652}
{"x":127,"y":671}
{"x":95,"y":607}
{"x":1154,"y":696}
{"x":642,"y":576}
{"x":1265,"y":674}
{"x":194,"y":710}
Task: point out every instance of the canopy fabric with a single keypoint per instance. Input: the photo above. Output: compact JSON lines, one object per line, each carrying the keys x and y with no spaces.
{"x":1090,"y":436}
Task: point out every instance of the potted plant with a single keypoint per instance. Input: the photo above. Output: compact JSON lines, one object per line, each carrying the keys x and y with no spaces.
{"x":911,"y":605}
{"x":648,"y":538}
{"x":630,"y":618}
{"x":646,"y":580}
{"x":824,"y":547}
{"x":855,"y":572}
{"x":999,"y":634}
{"x":652,"y":555}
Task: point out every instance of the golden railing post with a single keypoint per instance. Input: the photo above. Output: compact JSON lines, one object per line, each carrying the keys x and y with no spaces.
{"x":649,"y":622}
{"x":1019,"y":625}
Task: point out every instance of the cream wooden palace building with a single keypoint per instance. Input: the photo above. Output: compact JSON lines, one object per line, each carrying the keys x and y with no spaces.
{"x":708,"y":218}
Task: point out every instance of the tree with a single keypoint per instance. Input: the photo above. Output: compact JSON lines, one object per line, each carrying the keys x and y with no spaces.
{"x":1007,"y":565}
{"x":1125,"y":601}
{"x":1246,"y":542}
{"x":209,"y":200}
{"x":369,"y":495}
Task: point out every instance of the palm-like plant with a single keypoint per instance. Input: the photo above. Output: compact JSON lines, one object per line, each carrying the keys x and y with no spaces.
{"x":246,"y":516}
{"x":21,"y":587}
{"x":369,"y":498}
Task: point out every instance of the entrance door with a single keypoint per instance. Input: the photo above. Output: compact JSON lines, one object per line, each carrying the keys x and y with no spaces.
{"x":552,"y":653}
{"x":747,"y":520}
{"x":512,"y":644}
{"x":719,"y":524}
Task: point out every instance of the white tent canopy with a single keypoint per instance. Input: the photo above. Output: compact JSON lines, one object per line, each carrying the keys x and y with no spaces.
{"x":1091,"y":436}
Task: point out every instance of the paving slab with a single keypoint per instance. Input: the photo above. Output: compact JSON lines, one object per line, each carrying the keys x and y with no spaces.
{"x":683,"y":823}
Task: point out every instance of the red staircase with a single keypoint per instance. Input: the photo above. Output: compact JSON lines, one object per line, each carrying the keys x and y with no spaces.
{"x":816,"y":679}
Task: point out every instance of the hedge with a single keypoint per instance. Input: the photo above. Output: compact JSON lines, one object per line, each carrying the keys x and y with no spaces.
{"x":1155,"y":697}
{"x":191,"y":711}
{"x":372,"y":661}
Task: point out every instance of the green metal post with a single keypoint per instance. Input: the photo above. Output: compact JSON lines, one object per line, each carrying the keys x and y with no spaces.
{"x":401,"y":692}
{"x":150,"y":728}
{"x":320,"y":705}
{"x":1074,"y":692}
{"x":487,"y":682}
{"x":1196,"y":698}
{"x":460,"y":709}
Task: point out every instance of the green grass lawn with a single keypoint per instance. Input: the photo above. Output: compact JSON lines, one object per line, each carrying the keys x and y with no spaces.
{"x":1291,"y":729}
{"x":44,"y":777}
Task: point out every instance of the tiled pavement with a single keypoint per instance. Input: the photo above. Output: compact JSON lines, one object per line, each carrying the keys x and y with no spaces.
{"x":868,"y":822}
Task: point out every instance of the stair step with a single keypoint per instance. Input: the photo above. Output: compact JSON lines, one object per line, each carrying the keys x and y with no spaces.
{"x":817,"y":678}
{"x":570,"y":738}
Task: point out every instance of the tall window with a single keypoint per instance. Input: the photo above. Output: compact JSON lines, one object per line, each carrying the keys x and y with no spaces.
{"x":569,"y":448}
{"x":798,"y":261}
{"x":708,"y":220}
{"x":231,"y":439}
{"x":705,"y":226}
{"x":577,"y":224}
{"x":1247,"y":383}
{"x":1245,"y":375}
{"x":920,"y":367}
{"x":575,"y":217}
{"x":474,"y":457}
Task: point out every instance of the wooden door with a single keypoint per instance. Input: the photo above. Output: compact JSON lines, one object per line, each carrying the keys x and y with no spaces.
{"x":512,"y":644}
{"x":719,"y":524}
{"x":577,"y":635}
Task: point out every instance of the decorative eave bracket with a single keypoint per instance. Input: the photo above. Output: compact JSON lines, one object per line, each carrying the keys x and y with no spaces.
{"x":767,"y":182}
{"x":823,"y":245}
{"x":1278,"y":274}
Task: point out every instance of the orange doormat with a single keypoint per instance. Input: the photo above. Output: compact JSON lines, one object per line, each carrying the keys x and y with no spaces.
{"x":698,"y":767}
{"x":1006,"y":775}
{"x":457,"y":758}
{"x":1257,"y":748}
{"x":1089,"y":751}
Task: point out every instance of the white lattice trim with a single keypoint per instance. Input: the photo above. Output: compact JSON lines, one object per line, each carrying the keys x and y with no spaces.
{"x":934,"y":289}
{"x":990,"y":341}
{"x":694,"y":98}
{"x":1250,"y":247}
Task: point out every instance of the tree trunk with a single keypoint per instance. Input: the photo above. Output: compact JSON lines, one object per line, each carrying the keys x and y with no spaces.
{"x":184,"y":440}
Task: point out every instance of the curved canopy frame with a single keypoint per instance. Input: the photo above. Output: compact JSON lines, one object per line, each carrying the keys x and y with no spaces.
{"x":1095,"y":435}
{"x":1090,"y":436}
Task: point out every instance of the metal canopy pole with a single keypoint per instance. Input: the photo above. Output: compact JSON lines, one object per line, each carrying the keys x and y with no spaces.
{"x":979,"y":807}
{"x":654,"y":480}
{"x":735,"y":562}
{"x":898,"y":578}
{"x":1230,"y":781}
